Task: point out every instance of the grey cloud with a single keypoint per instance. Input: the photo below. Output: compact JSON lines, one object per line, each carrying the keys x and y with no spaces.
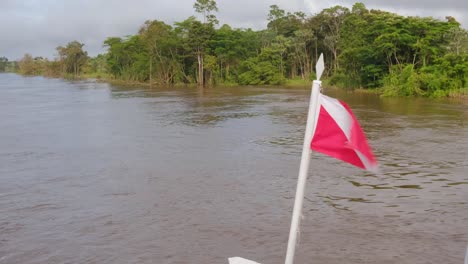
{"x":433,"y":8}
{"x":421,"y":4}
{"x":39,"y":26}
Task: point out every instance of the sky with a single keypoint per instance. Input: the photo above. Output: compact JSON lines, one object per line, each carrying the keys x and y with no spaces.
{"x":39,"y":26}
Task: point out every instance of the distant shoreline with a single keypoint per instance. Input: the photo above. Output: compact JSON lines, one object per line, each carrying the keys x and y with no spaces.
{"x":460,"y":94}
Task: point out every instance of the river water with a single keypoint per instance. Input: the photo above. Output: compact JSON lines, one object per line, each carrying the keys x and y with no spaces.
{"x":96,"y":173}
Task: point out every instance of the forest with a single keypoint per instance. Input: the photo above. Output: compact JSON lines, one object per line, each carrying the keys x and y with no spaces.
{"x":368,"y":49}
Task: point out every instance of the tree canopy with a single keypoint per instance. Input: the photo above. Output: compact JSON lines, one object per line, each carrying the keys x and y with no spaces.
{"x":363,"y":48}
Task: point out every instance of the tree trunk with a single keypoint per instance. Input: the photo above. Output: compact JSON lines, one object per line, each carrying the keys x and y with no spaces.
{"x":316,"y":51}
{"x":151,"y":71}
{"x":227,"y":71}
{"x":335,"y":57}
{"x":200,"y":69}
{"x":281,"y":64}
{"x":293,"y":70}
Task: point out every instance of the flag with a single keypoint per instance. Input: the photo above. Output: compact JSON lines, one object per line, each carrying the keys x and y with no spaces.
{"x":338,"y":134}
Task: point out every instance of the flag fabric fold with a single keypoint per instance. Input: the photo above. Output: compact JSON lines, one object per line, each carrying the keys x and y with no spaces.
{"x":339,"y":135}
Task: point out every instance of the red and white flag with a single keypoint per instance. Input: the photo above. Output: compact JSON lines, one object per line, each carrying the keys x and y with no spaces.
{"x":338,"y":134}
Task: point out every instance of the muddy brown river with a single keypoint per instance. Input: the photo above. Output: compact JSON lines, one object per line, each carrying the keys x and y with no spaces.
{"x":96,"y":173}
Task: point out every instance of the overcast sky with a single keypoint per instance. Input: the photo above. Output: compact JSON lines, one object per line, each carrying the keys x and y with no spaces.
{"x":39,"y":26}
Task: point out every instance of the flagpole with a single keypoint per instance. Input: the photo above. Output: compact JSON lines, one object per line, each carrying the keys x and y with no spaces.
{"x":305,"y":160}
{"x":303,"y":170}
{"x":466,"y":255}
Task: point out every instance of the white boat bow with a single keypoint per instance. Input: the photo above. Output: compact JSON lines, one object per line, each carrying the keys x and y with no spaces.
{"x":238,"y":260}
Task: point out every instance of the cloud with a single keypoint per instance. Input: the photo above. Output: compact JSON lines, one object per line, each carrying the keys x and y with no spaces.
{"x":39,"y":26}
{"x":433,"y":8}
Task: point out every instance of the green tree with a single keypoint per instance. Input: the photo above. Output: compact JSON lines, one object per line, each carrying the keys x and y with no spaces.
{"x":161,"y":44}
{"x":202,"y":33}
{"x":3,"y":64}
{"x":28,"y":66}
{"x":98,"y":64}
{"x":195,"y":37}
{"x":406,"y":56}
{"x":73,"y":57}
{"x":284,"y":23}
{"x":300,"y":55}
{"x":128,"y":58}
{"x":458,"y":40}
{"x":231,"y":47}
{"x":267,"y":67}
{"x":206,"y":8}
{"x":333,"y":20}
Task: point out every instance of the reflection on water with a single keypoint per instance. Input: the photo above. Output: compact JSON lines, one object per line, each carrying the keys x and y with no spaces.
{"x":95,"y":173}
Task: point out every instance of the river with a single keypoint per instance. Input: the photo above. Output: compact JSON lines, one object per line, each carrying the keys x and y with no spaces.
{"x":96,"y":173}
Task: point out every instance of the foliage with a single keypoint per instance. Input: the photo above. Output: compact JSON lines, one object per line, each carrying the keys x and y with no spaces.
{"x":254,"y":71}
{"x":30,"y":66}
{"x":449,"y":73}
{"x":206,"y":7}
{"x":369,"y":49}
{"x":127,"y":59}
{"x":3,"y":64}
{"x":160,"y":42}
{"x":72,"y":58}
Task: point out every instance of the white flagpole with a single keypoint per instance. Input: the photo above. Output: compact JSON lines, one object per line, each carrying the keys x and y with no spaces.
{"x":305,"y":158}
{"x":466,"y":255}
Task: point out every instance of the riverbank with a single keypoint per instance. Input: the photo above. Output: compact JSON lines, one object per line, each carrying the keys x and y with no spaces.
{"x":290,"y":83}
{"x":297,"y":83}
{"x":460,"y":94}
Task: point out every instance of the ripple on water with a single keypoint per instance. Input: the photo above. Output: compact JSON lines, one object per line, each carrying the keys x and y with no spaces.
{"x":187,"y":175}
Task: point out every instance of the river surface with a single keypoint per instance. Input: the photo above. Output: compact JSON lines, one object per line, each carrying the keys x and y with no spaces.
{"x":96,"y":173}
